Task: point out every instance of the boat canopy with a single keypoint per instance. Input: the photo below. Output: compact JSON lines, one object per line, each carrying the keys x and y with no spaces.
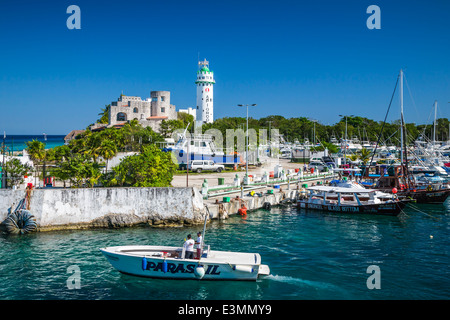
{"x":347,"y":169}
{"x":340,"y":190}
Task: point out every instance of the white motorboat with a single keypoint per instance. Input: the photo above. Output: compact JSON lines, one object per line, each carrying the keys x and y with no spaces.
{"x":169,"y":262}
{"x":351,"y":200}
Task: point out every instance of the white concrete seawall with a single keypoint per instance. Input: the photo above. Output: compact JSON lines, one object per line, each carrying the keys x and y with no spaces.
{"x":62,"y":209}
{"x":252,"y":203}
{"x":108,"y":207}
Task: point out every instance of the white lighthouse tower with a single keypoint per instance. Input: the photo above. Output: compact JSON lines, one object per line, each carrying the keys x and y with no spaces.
{"x":205,"y":92}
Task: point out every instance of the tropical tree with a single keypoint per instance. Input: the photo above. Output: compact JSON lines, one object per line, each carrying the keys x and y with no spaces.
{"x":169,"y":126}
{"x":15,"y":171}
{"x":104,"y":114}
{"x":326,"y":145}
{"x":151,"y":168}
{"x":364,"y":155}
{"x":61,"y":153}
{"x":353,"y":157}
{"x":36,"y":150}
{"x":130,"y":133}
{"x":108,"y":150}
{"x":79,"y":169}
{"x":62,"y":172}
{"x":186,"y":119}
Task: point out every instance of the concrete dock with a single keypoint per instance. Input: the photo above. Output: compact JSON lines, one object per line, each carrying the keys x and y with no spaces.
{"x":214,"y":194}
{"x":79,"y":208}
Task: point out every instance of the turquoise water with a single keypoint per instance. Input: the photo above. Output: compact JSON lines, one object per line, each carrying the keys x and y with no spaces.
{"x":312,"y":255}
{"x":18,"y":142}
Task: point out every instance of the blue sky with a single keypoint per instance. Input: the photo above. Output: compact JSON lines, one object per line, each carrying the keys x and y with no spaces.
{"x":313,"y":59}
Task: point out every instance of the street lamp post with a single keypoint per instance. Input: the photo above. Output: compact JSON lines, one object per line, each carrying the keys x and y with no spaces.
{"x":246,"y":139}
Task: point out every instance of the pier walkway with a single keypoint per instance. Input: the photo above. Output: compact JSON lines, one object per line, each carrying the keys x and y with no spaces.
{"x":224,"y":192}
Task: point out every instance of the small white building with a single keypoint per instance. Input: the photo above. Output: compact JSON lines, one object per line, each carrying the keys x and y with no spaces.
{"x":191,"y":111}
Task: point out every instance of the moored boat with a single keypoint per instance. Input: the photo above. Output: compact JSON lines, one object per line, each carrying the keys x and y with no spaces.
{"x":352,"y":200}
{"x":420,"y":188}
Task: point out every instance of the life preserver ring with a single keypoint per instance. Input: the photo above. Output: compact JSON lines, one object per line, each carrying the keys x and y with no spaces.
{"x":242,"y":211}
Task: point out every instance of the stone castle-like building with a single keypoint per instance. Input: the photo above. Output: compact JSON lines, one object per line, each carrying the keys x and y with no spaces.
{"x":152,"y":111}
{"x":149,"y":112}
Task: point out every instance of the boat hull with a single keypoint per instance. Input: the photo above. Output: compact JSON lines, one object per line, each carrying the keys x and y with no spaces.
{"x":433,"y":196}
{"x":388,"y":208}
{"x":149,"y":261}
{"x":424,"y":196}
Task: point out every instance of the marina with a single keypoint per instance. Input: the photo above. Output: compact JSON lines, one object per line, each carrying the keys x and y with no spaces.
{"x":311,"y":254}
{"x":236,"y":152}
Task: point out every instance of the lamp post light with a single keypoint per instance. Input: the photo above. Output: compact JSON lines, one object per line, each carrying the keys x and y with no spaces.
{"x":246,"y":139}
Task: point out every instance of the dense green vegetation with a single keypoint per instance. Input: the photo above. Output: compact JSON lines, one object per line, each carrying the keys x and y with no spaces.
{"x":15,"y":172}
{"x":363,"y":128}
{"x":80,"y":162}
{"x":149,"y":168}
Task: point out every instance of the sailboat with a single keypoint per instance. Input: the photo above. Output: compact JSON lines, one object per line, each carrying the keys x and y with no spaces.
{"x":400,"y":179}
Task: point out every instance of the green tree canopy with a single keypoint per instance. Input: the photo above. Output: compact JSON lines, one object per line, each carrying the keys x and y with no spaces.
{"x":151,"y":168}
{"x":15,"y":172}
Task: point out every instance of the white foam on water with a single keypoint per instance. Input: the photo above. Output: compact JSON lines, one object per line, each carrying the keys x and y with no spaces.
{"x":298,"y":281}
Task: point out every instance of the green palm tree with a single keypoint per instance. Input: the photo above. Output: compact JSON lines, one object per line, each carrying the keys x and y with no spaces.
{"x":107,"y":151}
{"x":36,"y":150}
{"x":364,"y":155}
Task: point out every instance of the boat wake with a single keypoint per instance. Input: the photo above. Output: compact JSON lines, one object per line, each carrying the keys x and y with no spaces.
{"x":298,"y":281}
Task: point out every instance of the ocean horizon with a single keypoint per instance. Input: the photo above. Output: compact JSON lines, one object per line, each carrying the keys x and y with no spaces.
{"x":17,"y":142}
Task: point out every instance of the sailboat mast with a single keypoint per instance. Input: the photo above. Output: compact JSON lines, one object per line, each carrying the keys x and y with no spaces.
{"x":434,"y":129}
{"x":401,"y":115}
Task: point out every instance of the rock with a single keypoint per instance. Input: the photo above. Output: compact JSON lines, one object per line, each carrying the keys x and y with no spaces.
{"x":114,"y":220}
